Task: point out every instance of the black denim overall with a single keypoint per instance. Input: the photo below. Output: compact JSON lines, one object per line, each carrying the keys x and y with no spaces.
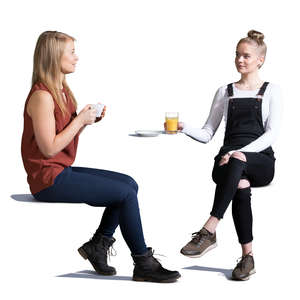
{"x":244,"y":125}
{"x":244,"y":121}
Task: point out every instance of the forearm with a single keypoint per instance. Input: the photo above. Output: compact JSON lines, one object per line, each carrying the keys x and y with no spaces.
{"x":202,"y":135}
{"x":260,"y":144}
{"x":206,"y":133}
{"x":64,"y":138}
{"x":81,"y":129}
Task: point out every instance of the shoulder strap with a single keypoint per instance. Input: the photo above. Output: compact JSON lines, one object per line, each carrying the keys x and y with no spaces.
{"x":262,"y":89}
{"x":230,"y":90}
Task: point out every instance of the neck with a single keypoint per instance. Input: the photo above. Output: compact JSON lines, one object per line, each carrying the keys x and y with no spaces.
{"x":250,"y":80}
{"x":61,"y":79}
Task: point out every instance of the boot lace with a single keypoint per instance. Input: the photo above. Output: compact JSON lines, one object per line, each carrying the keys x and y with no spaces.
{"x":157,"y":259}
{"x":154,"y":258}
{"x":111,"y":251}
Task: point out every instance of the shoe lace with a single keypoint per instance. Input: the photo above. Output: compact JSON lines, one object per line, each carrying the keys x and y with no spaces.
{"x":198,"y":237}
{"x":241,"y":261}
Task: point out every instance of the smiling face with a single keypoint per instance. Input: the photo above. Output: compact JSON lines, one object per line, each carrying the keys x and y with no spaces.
{"x":248,"y":59}
{"x":69,"y":58}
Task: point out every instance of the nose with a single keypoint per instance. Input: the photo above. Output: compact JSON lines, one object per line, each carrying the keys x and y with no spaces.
{"x":240,"y":59}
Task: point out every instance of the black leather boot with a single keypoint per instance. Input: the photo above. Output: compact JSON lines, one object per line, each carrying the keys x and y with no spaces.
{"x":147,"y":268}
{"x":96,"y":251}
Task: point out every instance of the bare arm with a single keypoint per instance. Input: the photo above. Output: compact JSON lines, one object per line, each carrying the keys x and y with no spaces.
{"x":41,"y":110}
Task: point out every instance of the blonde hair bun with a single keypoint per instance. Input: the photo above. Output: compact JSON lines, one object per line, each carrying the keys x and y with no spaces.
{"x":257,"y":36}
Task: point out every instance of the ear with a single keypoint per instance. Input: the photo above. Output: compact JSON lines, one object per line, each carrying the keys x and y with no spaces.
{"x":261,"y":60}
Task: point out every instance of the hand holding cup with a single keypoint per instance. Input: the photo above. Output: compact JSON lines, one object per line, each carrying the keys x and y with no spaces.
{"x":100,"y":111}
{"x":87,"y":115}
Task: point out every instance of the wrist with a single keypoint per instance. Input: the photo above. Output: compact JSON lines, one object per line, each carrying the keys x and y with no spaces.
{"x":79,"y":121}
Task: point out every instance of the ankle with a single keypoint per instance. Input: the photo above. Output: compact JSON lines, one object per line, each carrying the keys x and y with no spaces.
{"x":247,"y":253}
{"x":209,"y":230}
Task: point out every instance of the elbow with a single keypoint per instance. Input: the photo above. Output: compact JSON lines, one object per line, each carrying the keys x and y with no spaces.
{"x":48,"y":153}
{"x":206,"y":139}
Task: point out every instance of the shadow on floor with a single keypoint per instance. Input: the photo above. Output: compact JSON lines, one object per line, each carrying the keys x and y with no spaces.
{"x":87,"y":274}
{"x":225,"y":272}
{"x":23,"y":197}
{"x":93,"y":275}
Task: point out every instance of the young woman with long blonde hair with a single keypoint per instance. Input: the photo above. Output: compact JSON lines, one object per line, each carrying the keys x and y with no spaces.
{"x":49,"y":144}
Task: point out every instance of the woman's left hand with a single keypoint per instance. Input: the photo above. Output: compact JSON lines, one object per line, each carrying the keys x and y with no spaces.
{"x":102,"y":115}
{"x":224,"y":160}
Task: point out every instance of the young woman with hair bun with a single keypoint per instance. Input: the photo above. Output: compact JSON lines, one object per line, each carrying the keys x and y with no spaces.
{"x":251,"y":111}
{"x":49,"y":145}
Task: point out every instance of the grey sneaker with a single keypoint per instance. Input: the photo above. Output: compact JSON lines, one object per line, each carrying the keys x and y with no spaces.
{"x":244,"y":269}
{"x":202,"y":241}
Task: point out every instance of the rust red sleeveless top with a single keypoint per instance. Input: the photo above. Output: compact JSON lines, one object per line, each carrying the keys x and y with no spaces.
{"x":41,"y":171}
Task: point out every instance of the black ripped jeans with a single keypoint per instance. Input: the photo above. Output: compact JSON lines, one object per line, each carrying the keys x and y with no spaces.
{"x":258,"y":170}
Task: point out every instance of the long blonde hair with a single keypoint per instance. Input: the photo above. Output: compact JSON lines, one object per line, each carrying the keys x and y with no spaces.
{"x":47,"y":65}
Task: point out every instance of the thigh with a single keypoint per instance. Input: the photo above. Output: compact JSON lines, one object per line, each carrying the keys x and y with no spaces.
{"x":260,"y":168}
{"x":80,"y":187}
{"x":109,"y":174}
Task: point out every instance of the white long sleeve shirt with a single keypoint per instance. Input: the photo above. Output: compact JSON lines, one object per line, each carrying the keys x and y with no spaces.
{"x":271,"y":115}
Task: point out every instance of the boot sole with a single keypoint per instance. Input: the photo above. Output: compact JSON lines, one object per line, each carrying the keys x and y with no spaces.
{"x":201,"y":254}
{"x":85,"y":256}
{"x":246,"y":278}
{"x":142,"y":279}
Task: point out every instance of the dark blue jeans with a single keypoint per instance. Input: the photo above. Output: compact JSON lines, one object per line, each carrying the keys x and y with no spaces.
{"x":115,"y":191}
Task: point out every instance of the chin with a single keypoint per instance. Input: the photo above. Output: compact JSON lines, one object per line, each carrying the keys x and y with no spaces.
{"x":242,"y":71}
{"x":69,"y":71}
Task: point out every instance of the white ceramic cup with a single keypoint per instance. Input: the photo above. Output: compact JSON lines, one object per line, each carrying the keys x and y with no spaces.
{"x":99,"y":108}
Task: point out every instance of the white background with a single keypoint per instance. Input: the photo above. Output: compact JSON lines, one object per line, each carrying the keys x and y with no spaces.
{"x":142,"y":58}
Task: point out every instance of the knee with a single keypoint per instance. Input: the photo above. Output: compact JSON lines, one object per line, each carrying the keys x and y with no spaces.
{"x":133,"y":183}
{"x":130,"y":199}
{"x":243,"y":184}
{"x":239,"y":155}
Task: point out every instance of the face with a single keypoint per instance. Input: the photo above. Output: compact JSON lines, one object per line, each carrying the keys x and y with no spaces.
{"x":247,"y":59}
{"x":69,"y":58}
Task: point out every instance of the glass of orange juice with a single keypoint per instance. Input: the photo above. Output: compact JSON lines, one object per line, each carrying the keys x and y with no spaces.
{"x":171,"y":122}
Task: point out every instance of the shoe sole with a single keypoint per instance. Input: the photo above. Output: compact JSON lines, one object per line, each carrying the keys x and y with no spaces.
{"x":246,"y":278}
{"x":85,"y":256}
{"x":141,"y":279}
{"x":201,"y":254}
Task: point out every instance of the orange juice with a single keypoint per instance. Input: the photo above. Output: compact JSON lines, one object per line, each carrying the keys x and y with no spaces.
{"x":171,"y":122}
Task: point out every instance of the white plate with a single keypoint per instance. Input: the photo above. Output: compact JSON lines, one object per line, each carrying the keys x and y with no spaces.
{"x":147,"y":133}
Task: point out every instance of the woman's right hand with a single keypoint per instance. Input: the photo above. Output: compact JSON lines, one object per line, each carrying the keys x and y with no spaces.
{"x":179,"y":126}
{"x":224,"y":160}
{"x":87,"y":115}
